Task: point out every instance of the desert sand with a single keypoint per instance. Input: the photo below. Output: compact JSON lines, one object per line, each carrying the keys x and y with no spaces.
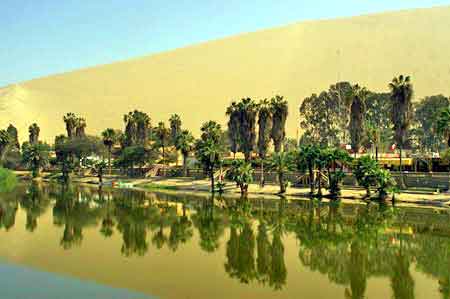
{"x":199,"y":81}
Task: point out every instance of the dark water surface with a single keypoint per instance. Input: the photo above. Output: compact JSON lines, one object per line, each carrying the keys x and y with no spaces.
{"x":178,"y":246}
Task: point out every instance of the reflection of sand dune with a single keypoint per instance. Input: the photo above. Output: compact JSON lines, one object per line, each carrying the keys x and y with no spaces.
{"x":199,"y":81}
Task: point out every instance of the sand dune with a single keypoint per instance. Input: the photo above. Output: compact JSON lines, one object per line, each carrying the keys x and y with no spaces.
{"x":199,"y":81}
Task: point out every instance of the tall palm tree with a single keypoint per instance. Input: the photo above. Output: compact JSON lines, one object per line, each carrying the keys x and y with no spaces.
{"x":306,"y":159}
{"x":130,"y":129}
{"x":264,"y":131}
{"x":402,"y":113}
{"x":142,"y":126}
{"x":80,"y":127}
{"x":33,"y":131}
{"x":4,"y":142}
{"x":233,"y":127}
{"x":248,"y":110}
{"x":185,"y":144}
{"x":13,"y":136}
{"x":36,"y":156}
{"x":443,"y":125}
{"x":357,"y":110}
{"x":109,"y":139}
{"x":163,"y":135}
{"x":70,"y":120}
{"x":175,"y":127}
{"x":280,"y":113}
{"x":175,"y":130}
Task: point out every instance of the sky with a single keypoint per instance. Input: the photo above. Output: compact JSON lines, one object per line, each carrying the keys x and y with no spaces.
{"x":40,"y":38}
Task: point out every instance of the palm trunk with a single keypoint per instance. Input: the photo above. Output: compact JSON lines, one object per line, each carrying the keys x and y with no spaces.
{"x":262,"y":173}
{"x":402,"y":181}
{"x":319,"y":180}
{"x":185,"y":165}
{"x":164,"y":160}
{"x":311,"y":180}
{"x":109,"y":160}
{"x":281,"y":181}
{"x":376,"y":152}
{"x":211,"y":173}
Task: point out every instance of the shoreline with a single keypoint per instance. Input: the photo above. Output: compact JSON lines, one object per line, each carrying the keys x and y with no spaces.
{"x":189,"y":185}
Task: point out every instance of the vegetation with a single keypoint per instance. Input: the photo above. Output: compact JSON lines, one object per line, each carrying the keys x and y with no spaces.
{"x":280,"y":163}
{"x":241,"y":172}
{"x":8,"y":180}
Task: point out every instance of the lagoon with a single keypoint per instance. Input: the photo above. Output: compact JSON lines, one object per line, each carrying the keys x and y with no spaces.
{"x":156,"y":245}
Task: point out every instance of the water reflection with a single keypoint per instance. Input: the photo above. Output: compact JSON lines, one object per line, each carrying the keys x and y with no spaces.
{"x":349,"y":244}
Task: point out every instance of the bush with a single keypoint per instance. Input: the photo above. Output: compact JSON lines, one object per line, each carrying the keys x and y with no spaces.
{"x":366,"y":170}
{"x":8,"y":180}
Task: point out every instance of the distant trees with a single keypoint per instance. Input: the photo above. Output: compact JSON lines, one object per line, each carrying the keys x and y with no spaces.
{"x":162,"y":138}
{"x":233,"y":127}
{"x":137,"y":127}
{"x":13,"y":137}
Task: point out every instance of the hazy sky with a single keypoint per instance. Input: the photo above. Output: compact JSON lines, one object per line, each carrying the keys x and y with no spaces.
{"x":42,"y":37}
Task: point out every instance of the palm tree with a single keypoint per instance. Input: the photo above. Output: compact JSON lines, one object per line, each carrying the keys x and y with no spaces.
{"x":281,"y":162}
{"x":209,"y":149}
{"x":70,"y":120}
{"x":109,"y":139}
{"x":142,"y":124}
{"x":163,"y":134}
{"x":402,"y":112}
{"x":33,"y":131}
{"x":357,"y":110}
{"x":13,"y":136}
{"x":233,"y":127}
{"x":80,"y":127}
{"x":280,"y":113}
{"x":248,"y":110}
{"x":4,"y":142}
{"x":242,"y":173}
{"x":264,"y":130}
{"x":36,"y":156}
{"x":443,"y":125}
{"x":185,"y":144}
{"x":175,"y":127}
{"x":175,"y":130}
{"x":306,"y":159}
{"x":130,"y":129}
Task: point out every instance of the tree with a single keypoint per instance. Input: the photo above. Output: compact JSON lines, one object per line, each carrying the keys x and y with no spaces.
{"x":70,"y":119}
{"x":248,"y":111}
{"x":279,"y":116}
{"x":281,"y":162}
{"x":109,"y":139}
{"x":426,"y":114}
{"x":36,"y":156}
{"x":378,"y":120}
{"x":365,"y":171}
{"x":185,"y":144}
{"x":339,"y":99}
{"x":136,"y":155}
{"x":402,"y":113}
{"x":175,"y":127}
{"x":209,"y":149}
{"x":306,"y":159}
{"x":99,"y":168}
{"x":233,"y":127}
{"x":13,"y":137}
{"x":264,"y":131}
{"x":443,"y":124}
{"x":357,"y":110}
{"x":33,"y":131}
{"x":319,"y":119}
{"x":241,"y":172}
{"x":80,"y":130}
{"x":137,"y":127}
{"x":4,"y":142}
{"x":163,"y":136}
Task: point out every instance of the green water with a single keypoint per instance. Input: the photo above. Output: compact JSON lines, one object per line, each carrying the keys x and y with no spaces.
{"x":178,"y":246}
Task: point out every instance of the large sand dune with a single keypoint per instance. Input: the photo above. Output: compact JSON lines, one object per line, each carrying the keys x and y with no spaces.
{"x":199,"y":81}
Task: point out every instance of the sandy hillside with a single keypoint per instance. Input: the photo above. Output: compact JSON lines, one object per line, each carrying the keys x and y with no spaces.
{"x":199,"y":81}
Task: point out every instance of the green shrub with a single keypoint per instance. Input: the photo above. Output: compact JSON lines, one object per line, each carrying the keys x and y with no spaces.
{"x":8,"y":180}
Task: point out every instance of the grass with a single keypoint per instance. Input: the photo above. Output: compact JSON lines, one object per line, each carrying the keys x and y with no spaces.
{"x":152,"y":186}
